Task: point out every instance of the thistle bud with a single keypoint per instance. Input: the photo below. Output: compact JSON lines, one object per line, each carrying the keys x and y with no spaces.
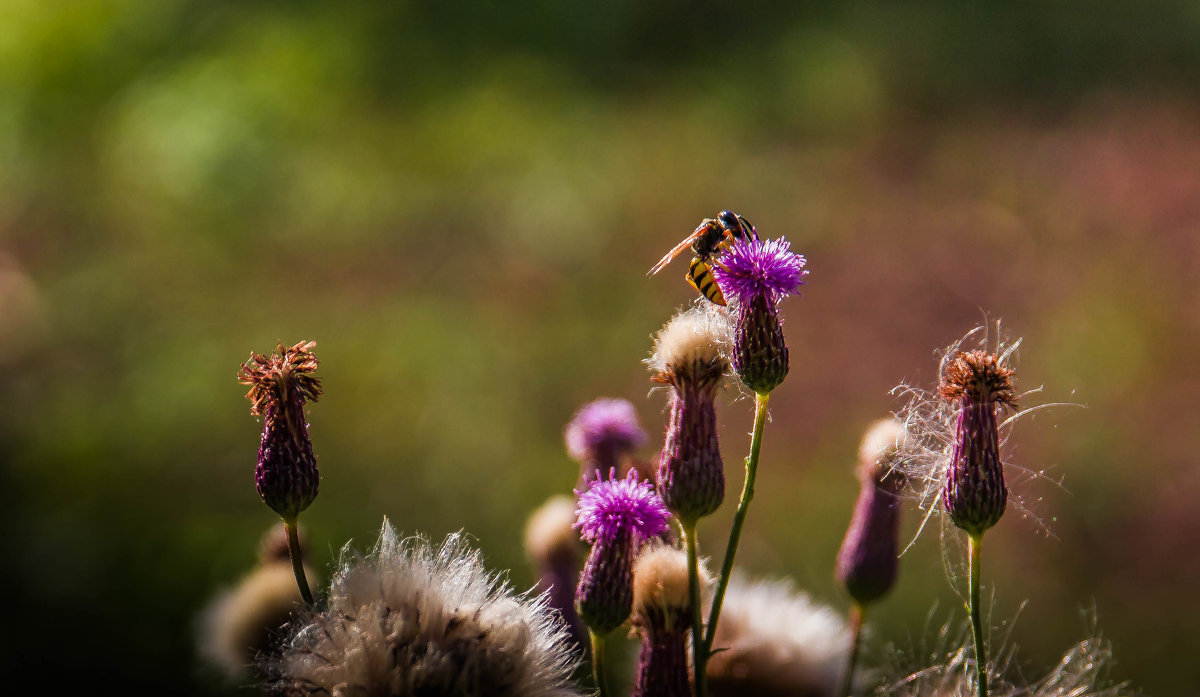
{"x":975,"y":493}
{"x":868,"y":561}
{"x":661,"y":613}
{"x":602,"y":435}
{"x":280,"y":385}
{"x":757,"y":275}
{"x":691,"y":475}
{"x":555,"y":550}
{"x":616,"y":516}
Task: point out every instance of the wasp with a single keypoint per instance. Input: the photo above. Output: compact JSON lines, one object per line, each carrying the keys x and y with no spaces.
{"x":708,"y":241}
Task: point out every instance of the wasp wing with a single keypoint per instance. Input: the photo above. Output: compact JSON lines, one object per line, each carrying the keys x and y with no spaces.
{"x":679,"y":248}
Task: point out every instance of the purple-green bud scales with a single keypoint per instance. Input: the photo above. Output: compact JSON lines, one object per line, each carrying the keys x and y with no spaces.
{"x":691,"y":474}
{"x":975,"y":493}
{"x":281,"y":385}
{"x":757,"y":275}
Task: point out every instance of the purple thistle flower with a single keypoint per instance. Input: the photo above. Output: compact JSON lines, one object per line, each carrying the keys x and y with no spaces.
{"x":602,"y":434}
{"x":755,"y":267}
{"x":616,"y":516}
{"x":280,"y":385}
{"x":612,"y":507}
{"x":757,"y":275}
{"x":975,"y":494}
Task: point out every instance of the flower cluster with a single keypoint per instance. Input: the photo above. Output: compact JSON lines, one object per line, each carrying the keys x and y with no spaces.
{"x":413,"y":618}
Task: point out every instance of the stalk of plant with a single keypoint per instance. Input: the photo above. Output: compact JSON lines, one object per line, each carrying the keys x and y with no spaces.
{"x":867,"y":563}
{"x":616,"y":516}
{"x":286,"y":475}
{"x":756,"y":275}
{"x":975,"y":494}
{"x":691,"y":477}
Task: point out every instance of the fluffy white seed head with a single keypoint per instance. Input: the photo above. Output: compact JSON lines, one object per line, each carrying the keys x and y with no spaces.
{"x":660,"y":580}
{"x":691,"y":338}
{"x":777,"y":641}
{"x":414,"y":619}
{"x":550,"y":530}
{"x":242,"y":622}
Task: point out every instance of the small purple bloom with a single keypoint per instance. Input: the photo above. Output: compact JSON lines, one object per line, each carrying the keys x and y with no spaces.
{"x":760,"y":268}
{"x":601,"y":434}
{"x":612,"y":507}
{"x":757,"y":275}
{"x":616,"y":516}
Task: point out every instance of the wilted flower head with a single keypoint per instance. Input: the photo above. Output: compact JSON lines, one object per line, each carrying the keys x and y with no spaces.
{"x":554,"y":547}
{"x":757,"y":274}
{"x":601,"y":434}
{"x":280,"y":385}
{"x":774,"y":641}
{"x":952,"y":431}
{"x":661,"y":614}
{"x":616,"y":516}
{"x":413,"y":619}
{"x":687,"y":356}
{"x":976,"y":494}
{"x":868,"y":562}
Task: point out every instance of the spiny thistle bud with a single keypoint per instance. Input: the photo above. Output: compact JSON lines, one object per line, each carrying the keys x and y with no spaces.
{"x":774,"y":641}
{"x":602,"y":435}
{"x":757,"y":275}
{"x":411,"y":619}
{"x":975,"y":493}
{"x":687,"y":357}
{"x":553,"y":546}
{"x":661,"y":613}
{"x":616,"y":516}
{"x":867,"y":562}
{"x":280,"y":385}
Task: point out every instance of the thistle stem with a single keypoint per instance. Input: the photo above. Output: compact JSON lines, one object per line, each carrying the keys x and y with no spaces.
{"x":699,"y":648}
{"x":598,"y":670}
{"x":856,"y":622}
{"x":739,"y":518}
{"x":973,"y":545}
{"x":297,"y":562}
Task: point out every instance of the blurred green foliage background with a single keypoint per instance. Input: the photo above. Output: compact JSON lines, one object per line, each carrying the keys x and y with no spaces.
{"x":459,"y":202}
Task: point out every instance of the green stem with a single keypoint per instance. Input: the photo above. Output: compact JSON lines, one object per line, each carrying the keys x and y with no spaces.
{"x":973,"y":544}
{"x":856,"y":622}
{"x":297,"y":561}
{"x":739,"y":518}
{"x":699,"y":650}
{"x":598,"y":672}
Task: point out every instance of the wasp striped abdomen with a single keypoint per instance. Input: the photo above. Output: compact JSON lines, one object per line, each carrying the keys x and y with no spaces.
{"x":700,"y":277}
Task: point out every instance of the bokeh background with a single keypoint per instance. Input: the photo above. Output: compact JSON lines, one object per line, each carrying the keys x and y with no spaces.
{"x":459,"y":202}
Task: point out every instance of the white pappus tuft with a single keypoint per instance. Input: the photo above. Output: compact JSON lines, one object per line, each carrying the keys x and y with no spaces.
{"x":774,"y":640}
{"x":414,"y":619}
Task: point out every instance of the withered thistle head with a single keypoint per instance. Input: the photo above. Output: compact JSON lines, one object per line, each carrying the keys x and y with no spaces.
{"x":975,"y":493}
{"x":757,"y":274}
{"x":661,"y":614}
{"x":687,"y":356}
{"x":868,"y":560}
{"x":280,"y":385}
